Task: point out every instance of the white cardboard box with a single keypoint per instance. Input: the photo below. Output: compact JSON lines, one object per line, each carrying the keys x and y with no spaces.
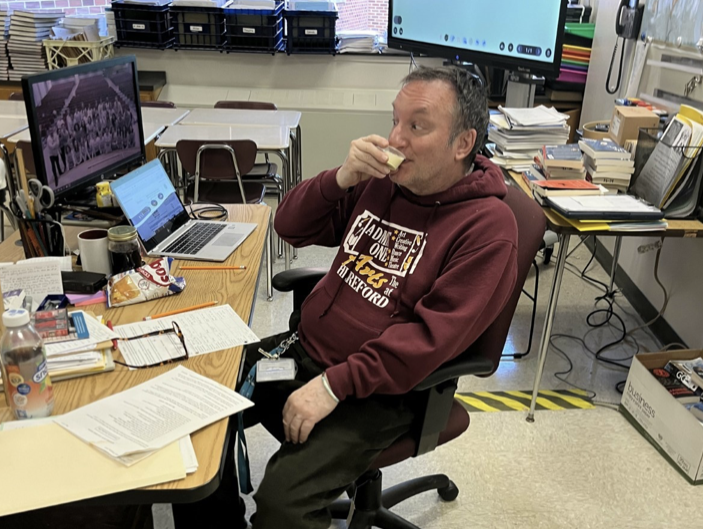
{"x":664,"y":422}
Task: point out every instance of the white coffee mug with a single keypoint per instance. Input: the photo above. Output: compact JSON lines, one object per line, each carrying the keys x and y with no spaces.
{"x":92,"y":245}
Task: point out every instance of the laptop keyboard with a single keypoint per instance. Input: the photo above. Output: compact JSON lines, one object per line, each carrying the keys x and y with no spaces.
{"x":193,"y":240}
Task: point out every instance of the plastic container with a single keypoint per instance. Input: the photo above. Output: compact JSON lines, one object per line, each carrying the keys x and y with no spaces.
{"x":123,"y":247}
{"x":62,"y":53}
{"x":311,"y":31}
{"x":198,"y":27}
{"x":254,"y":30}
{"x":25,"y":373}
{"x":143,"y":26}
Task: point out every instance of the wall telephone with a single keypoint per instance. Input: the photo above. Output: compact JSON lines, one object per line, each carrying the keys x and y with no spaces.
{"x":627,"y":26}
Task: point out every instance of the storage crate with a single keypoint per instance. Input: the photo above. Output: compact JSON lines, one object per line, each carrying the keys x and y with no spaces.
{"x":62,"y":53}
{"x":311,"y":32}
{"x":198,"y":27}
{"x":254,"y":30}
{"x":142,"y":26}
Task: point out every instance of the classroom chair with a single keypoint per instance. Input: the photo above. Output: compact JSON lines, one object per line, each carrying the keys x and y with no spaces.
{"x":158,"y":104}
{"x":16,"y":96}
{"x":443,"y":418}
{"x":216,"y":168}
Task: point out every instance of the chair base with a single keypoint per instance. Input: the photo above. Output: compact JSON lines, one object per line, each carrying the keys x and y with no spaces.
{"x":372,"y":504}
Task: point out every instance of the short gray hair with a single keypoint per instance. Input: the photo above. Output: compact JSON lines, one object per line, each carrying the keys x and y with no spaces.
{"x":471,"y":108}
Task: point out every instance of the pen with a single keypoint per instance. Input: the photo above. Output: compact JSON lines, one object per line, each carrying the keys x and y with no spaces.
{"x":212,"y":268}
{"x":178,"y":311}
{"x":114,"y":341}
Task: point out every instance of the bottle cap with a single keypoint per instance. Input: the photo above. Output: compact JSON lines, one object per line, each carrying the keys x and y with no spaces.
{"x":122,"y":233}
{"x":15,"y":317}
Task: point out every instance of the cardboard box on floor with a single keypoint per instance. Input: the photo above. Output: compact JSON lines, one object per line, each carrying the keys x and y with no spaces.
{"x":665,"y":422}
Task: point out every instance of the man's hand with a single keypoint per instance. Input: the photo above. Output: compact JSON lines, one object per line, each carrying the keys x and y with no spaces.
{"x":365,"y":160}
{"x":305,"y":408}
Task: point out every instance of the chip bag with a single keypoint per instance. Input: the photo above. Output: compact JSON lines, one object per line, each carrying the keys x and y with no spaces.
{"x":145,"y":283}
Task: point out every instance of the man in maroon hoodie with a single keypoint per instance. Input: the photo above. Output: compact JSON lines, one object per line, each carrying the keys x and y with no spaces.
{"x":426,"y":261}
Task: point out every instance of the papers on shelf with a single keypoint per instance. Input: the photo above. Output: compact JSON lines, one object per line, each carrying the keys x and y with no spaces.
{"x":533,"y":117}
{"x":152,"y":415}
{"x":205,"y":331}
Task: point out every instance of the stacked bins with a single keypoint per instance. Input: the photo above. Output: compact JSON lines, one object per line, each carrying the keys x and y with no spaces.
{"x":198,"y":27}
{"x":311,"y":32}
{"x":254,"y":30}
{"x":142,"y":26}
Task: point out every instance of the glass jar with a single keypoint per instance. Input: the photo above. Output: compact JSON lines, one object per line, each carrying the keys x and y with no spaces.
{"x":124,"y":249}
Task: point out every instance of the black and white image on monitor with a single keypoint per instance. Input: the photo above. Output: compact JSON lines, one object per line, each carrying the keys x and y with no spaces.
{"x":87,"y":121}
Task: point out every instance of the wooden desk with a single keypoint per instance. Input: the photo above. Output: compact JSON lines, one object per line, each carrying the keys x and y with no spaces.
{"x":237,"y":288}
{"x":564,"y":230}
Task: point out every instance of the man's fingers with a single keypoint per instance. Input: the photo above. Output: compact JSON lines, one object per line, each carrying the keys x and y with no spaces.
{"x":295,"y":425}
{"x":377,"y":140}
{"x":305,"y":430}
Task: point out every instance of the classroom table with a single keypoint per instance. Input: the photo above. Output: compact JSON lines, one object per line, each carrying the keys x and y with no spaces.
{"x":269,"y":139}
{"x":165,"y":116}
{"x":237,"y":288}
{"x":564,"y":231}
{"x":12,"y":109}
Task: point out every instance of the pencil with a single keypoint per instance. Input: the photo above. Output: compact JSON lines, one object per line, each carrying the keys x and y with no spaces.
{"x":212,"y":268}
{"x":178,"y":311}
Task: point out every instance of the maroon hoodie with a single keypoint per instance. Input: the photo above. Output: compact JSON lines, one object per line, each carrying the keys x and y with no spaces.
{"x":416,"y":280}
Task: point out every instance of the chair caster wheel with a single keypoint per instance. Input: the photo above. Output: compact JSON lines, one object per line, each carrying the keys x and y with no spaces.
{"x":449,"y":493}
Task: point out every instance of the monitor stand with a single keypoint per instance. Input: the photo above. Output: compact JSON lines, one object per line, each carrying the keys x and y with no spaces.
{"x":521,"y":89}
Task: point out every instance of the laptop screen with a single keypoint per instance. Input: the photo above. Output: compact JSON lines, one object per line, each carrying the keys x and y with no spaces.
{"x":150,"y":203}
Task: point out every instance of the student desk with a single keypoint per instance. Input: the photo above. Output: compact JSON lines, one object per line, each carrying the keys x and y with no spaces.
{"x":12,"y":109}
{"x":165,"y":116}
{"x":564,"y":230}
{"x":238,"y":288}
{"x":271,"y":139}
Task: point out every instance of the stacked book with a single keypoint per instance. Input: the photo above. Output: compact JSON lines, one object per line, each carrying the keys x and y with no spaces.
{"x":358,"y":41}
{"x":607,"y":164}
{"x":518,"y":134}
{"x":4,"y":58}
{"x":561,"y":162}
{"x":27,"y":31}
{"x":543,"y":189}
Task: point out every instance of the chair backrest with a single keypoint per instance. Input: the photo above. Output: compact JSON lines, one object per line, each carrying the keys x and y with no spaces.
{"x":27,"y":157}
{"x":217,"y":164}
{"x":531,"y":225}
{"x":158,"y":104}
{"x":246,"y":105}
{"x":16,"y":96}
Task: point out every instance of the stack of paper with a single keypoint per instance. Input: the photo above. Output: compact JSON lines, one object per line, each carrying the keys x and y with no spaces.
{"x":253,"y":4}
{"x":200,"y":3}
{"x":358,"y":41}
{"x":520,"y":133}
{"x":607,"y":163}
{"x":4,"y":58}
{"x":148,"y":2}
{"x":170,"y":407}
{"x":110,"y":21}
{"x":27,"y":31}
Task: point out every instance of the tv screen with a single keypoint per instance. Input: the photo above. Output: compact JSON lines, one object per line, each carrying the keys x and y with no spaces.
{"x":85,"y":122}
{"x":516,"y":35}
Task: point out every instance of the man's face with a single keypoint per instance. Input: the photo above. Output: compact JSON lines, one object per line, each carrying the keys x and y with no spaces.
{"x":422,"y":123}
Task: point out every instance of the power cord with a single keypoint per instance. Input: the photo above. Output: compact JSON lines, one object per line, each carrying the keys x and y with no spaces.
{"x":610,"y":69}
{"x":208,"y":211}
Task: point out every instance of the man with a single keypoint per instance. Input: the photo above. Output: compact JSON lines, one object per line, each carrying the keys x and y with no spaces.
{"x":427,"y":260}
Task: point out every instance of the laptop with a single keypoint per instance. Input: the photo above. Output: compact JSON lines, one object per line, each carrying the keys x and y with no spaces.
{"x":604,"y":207}
{"x":150,"y":203}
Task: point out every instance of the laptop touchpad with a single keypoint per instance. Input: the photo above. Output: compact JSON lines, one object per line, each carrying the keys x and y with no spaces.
{"x":227,"y":239}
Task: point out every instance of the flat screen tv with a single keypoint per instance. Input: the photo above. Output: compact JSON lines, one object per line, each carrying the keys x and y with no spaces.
{"x":85,"y":123}
{"x":517,"y":35}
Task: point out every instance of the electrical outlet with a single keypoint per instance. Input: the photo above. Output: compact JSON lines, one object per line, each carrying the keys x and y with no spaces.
{"x":644,"y":248}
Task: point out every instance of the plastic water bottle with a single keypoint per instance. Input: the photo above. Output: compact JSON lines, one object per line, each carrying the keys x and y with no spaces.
{"x":25,"y":375}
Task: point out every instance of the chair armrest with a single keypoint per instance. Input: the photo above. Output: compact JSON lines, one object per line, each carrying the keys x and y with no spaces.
{"x":475,"y":365}
{"x":289,"y":279}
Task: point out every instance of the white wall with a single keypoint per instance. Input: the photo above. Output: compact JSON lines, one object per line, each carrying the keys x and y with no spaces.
{"x":341,"y":98}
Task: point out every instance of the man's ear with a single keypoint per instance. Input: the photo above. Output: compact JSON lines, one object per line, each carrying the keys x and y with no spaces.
{"x":464,"y":143}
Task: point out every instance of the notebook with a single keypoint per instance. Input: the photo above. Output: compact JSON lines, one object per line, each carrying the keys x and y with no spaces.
{"x":150,"y":203}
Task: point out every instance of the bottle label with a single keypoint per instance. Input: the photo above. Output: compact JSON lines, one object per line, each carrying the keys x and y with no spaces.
{"x":30,"y":391}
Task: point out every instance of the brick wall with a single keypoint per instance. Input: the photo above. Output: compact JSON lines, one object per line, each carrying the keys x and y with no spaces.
{"x":70,"y":7}
{"x":363,"y":14}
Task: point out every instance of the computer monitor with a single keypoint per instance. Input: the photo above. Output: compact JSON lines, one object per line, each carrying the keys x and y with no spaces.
{"x":85,"y":123}
{"x":518,"y":35}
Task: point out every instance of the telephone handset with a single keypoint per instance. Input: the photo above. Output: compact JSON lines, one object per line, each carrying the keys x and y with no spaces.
{"x":629,"y":19}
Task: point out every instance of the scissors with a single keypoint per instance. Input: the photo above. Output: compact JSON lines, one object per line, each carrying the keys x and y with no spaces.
{"x":42,"y":196}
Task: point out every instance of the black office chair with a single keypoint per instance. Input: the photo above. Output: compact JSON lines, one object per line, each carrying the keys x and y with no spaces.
{"x":443,"y":418}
